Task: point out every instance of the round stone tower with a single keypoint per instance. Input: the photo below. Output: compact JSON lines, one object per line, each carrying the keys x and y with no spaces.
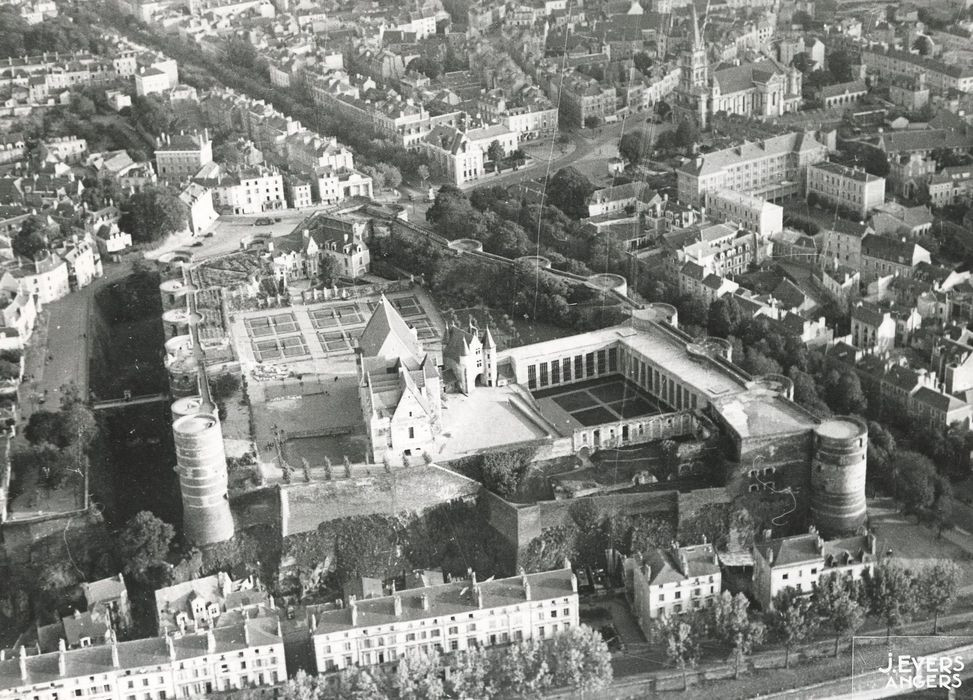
{"x":201,"y":465}
{"x":838,"y":476}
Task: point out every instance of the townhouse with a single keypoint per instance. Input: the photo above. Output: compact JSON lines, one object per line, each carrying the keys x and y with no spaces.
{"x":671,"y":581}
{"x":800,"y":562}
{"x":942,"y":77}
{"x":882,"y":256}
{"x":180,"y":156}
{"x":455,"y":616}
{"x":247,"y":654}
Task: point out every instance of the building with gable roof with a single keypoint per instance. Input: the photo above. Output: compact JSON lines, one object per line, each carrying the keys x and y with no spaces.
{"x":800,"y":562}
{"x":671,"y":581}
{"x":889,"y":256}
{"x":400,"y":387}
{"x":109,"y":595}
{"x":450,"y":149}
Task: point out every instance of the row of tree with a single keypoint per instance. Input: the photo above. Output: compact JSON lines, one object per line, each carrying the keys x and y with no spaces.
{"x":575,"y":658}
{"x":892,"y":594}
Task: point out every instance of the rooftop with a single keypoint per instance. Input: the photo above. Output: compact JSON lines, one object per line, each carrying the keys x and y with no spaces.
{"x":455,"y":598}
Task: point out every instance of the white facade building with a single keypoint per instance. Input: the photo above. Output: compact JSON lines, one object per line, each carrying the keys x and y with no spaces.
{"x":753,"y":213}
{"x":195,"y":665}
{"x":448,"y":617}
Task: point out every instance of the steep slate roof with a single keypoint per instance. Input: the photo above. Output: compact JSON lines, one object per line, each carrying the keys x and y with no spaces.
{"x":787,"y":551}
{"x":387,"y":334}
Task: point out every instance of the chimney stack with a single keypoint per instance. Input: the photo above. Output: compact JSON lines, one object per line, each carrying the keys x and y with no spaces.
{"x":23,"y":663}
{"x":210,"y":641}
{"x":354,"y":613}
{"x":246,"y":633}
{"x":314,"y":622}
{"x":478,"y":596}
{"x":425,"y":601}
{"x":397,"y":605}
{"x":62,"y":665}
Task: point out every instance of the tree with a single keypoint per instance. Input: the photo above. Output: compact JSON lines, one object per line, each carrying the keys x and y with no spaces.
{"x":32,"y":237}
{"x":687,"y":133}
{"x":915,"y":476}
{"x":223,"y":386}
{"x":801,"y":18}
{"x":152,"y":214}
{"x":328,"y":473}
{"x":329,"y":271}
{"x":430,"y":68}
{"x":663,"y":109}
{"x":580,"y":659}
{"x":681,"y":636}
{"x":923,"y":45}
{"x":642,"y":61}
{"x":495,"y":153}
{"x":592,"y":122}
{"x":881,"y":450}
{"x":52,"y":465}
{"x":548,"y":550}
{"x":844,"y":393}
{"x":938,"y":586}
{"x":569,"y":190}
{"x":723,"y":317}
{"x":503,"y":472}
{"x":304,"y":687}
{"x":228,"y":153}
{"x":240,"y":52}
{"x":347,"y":464}
{"x":839,"y":63}
{"x":391,"y":174}
{"x":891,"y":594}
{"x":144,"y":542}
{"x":791,"y":621}
{"x":418,"y":676}
{"x":522,"y":670}
{"x":875,"y":162}
{"x":942,"y":505}
{"x":470,"y":676}
{"x":423,"y":172}
{"x":633,"y":145}
{"x":836,"y":603}
{"x":731,"y":623}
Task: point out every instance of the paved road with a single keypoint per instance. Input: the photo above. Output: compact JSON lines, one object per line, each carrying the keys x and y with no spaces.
{"x":59,"y":351}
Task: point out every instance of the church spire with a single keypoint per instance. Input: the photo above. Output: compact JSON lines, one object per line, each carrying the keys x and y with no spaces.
{"x":697,"y":40}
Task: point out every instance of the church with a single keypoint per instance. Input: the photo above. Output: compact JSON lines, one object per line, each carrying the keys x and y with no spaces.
{"x":762,"y":88}
{"x":399,"y":387}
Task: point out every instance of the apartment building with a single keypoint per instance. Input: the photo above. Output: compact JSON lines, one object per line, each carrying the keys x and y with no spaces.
{"x":457,"y":157}
{"x":773,"y":169}
{"x":872,"y":327}
{"x":941,"y":77}
{"x":800,"y":562}
{"x":894,"y":219}
{"x":465,"y":614}
{"x":45,"y":277}
{"x":201,"y":213}
{"x":882,"y":256}
{"x":243,"y":655}
{"x":847,"y":188}
{"x":842,"y":242}
{"x":671,"y":581}
{"x":723,"y":249}
{"x":752,"y":213}
{"x":179,"y":156}
{"x":248,"y":191}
